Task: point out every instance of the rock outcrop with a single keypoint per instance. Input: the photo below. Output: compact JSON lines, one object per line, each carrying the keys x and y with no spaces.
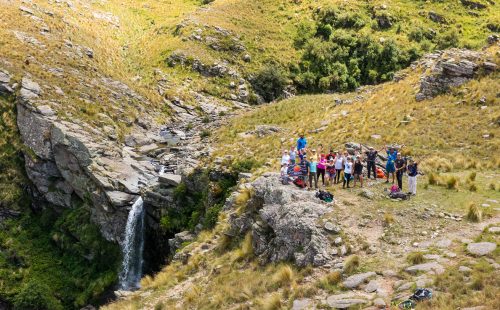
{"x":451,"y":69}
{"x":285,"y":224}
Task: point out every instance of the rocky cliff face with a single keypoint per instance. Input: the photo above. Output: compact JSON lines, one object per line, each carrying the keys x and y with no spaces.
{"x":288,"y":224}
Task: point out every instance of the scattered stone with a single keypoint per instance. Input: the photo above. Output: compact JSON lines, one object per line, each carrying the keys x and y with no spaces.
{"x":170,"y":179}
{"x":473,"y":4}
{"x":426,"y":267}
{"x":379,"y":303}
{"x":372,"y":286}
{"x":389,"y":273}
{"x":481,"y":248}
{"x":443,"y":243}
{"x":366,"y":193}
{"x":345,"y":301}
{"x":329,"y":226}
{"x":29,"y":89}
{"x":357,"y":279}
{"x":494,"y":230}
{"x":244,"y":175}
{"x":475,"y":308}
{"x":300,"y":304}
{"x":405,"y":286}
{"x":437,"y":18}
{"x":464,"y":269}
{"x":45,"y":110}
{"x":338,"y":241}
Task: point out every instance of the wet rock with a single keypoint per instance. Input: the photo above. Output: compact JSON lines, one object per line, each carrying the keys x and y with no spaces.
{"x":481,"y":248}
{"x":119,"y":199}
{"x":357,"y":279}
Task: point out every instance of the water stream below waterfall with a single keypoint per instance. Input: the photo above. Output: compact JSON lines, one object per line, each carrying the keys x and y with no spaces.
{"x":132,"y":248}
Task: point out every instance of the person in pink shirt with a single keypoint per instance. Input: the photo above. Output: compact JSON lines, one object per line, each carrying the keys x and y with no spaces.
{"x":322,"y":167}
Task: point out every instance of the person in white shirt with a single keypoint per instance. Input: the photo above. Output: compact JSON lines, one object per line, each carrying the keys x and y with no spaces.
{"x":339,"y":166}
{"x":293,"y":156}
{"x":285,"y":159}
{"x":347,"y":172}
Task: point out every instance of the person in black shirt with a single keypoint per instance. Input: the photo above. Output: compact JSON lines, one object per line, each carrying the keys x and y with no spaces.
{"x":358,"y":171}
{"x":412,"y":177}
{"x":371,"y":156}
{"x":400,"y":169}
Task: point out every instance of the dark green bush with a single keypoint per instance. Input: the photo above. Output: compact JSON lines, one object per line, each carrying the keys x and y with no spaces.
{"x":245,"y":165}
{"x":270,"y":82}
{"x":36,"y":296}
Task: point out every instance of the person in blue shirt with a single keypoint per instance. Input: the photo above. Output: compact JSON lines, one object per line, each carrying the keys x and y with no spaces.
{"x":301,"y":143}
{"x":390,"y":167}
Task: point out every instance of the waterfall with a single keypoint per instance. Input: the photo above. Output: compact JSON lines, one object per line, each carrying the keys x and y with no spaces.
{"x":132,"y":248}
{"x":162,"y":170}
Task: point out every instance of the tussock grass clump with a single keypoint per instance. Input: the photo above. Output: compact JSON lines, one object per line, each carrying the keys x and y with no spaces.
{"x":272,"y":302}
{"x":451,"y":182}
{"x":388,"y":219}
{"x":472,"y":176}
{"x":432,"y":179}
{"x":246,"y":249}
{"x":472,"y":187}
{"x":474,"y":214}
{"x":330,"y":281}
{"x":284,"y":276}
{"x":351,"y":264}
{"x":415,"y":258}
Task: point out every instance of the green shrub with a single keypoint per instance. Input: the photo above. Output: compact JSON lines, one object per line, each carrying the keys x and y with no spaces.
{"x":205,"y":133}
{"x":270,"y":82}
{"x":211,"y":216}
{"x":245,"y":165}
{"x":36,"y":296}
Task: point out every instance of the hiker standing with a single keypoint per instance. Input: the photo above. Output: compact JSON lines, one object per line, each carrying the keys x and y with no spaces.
{"x":293,"y":156}
{"x":412,"y":177}
{"x":347,"y":172}
{"x":331,"y":155}
{"x":390,"y":168}
{"x":371,"y":157}
{"x":285,"y":159}
{"x":339,"y":166}
{"x":322,"y":168}
{"x":400,"y":169}
{"x":313,"y":169}
{"x":301,"y":143}
{"x":358,"y":171}
{"x":330,"y":171}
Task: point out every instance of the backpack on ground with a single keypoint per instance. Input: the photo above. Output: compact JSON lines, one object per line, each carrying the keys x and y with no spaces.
{"x":325,"y":196}
{"x":407,"y":304}
{"x":421,"y":294}
{"x":299,"y":182}
{"x":285,"y":180}
{"x":399,"y":195}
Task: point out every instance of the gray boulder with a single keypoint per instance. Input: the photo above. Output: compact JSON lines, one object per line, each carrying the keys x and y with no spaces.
{"x":449,"y":69}
{"x":357,"y":279}
{"x":284,"y":223}
{"x":5,"y":80}
{"x":170,"y":179}
{"x":481,"y":248}
{"x":426,"y":267}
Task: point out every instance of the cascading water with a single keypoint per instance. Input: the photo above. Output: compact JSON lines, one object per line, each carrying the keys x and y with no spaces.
{"x":162,"y":170}
{"x":132,"y":248}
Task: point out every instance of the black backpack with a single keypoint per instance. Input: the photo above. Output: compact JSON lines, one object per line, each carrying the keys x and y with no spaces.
{"x":325,"y":196}
{"x":399,"y":195}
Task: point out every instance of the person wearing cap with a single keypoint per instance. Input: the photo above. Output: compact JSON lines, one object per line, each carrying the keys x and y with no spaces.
{"x":347,"y":172}
{"x":358,"y":171}
{"x":371,"y":157}
{"x":301,"y":142}
{"x":412,"y":176}
{"x":322,"y":167}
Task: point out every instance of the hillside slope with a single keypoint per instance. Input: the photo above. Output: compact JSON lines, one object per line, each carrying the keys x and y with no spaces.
{"x":391,"y":246}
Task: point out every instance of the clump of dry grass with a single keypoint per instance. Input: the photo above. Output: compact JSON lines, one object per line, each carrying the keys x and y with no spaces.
{"x":272,"y":302}
{"x":474,"y":214}
{"x":246,"y":249}
{"x":451,"y":182}
{"x":284,"y":276}
{"x":351,"y":264}
{"x":415,"y":258}
{"x":330,"y":281}
{"x":388,"y":219}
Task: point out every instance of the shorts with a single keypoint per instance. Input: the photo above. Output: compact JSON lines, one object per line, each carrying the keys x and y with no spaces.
{"x":331,"y":173}
{"x":390,"y":168}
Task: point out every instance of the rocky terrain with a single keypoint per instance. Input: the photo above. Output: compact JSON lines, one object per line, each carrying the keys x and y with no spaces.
{"x":104,"y":102}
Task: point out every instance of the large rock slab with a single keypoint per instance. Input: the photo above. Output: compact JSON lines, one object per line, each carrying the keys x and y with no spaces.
{"x":481,"y":248}
{"x":346,"y":300}
{"x":357,"y":279}
{"x":284,"y":223}
{"x":170,"y":179}
{"x":426,"y":267}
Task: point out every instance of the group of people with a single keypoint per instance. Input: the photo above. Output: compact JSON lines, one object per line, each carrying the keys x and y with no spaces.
{"x":310,"y":166}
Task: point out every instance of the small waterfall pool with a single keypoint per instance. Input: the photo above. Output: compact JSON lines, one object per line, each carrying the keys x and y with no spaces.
{"x":132,"y":248}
